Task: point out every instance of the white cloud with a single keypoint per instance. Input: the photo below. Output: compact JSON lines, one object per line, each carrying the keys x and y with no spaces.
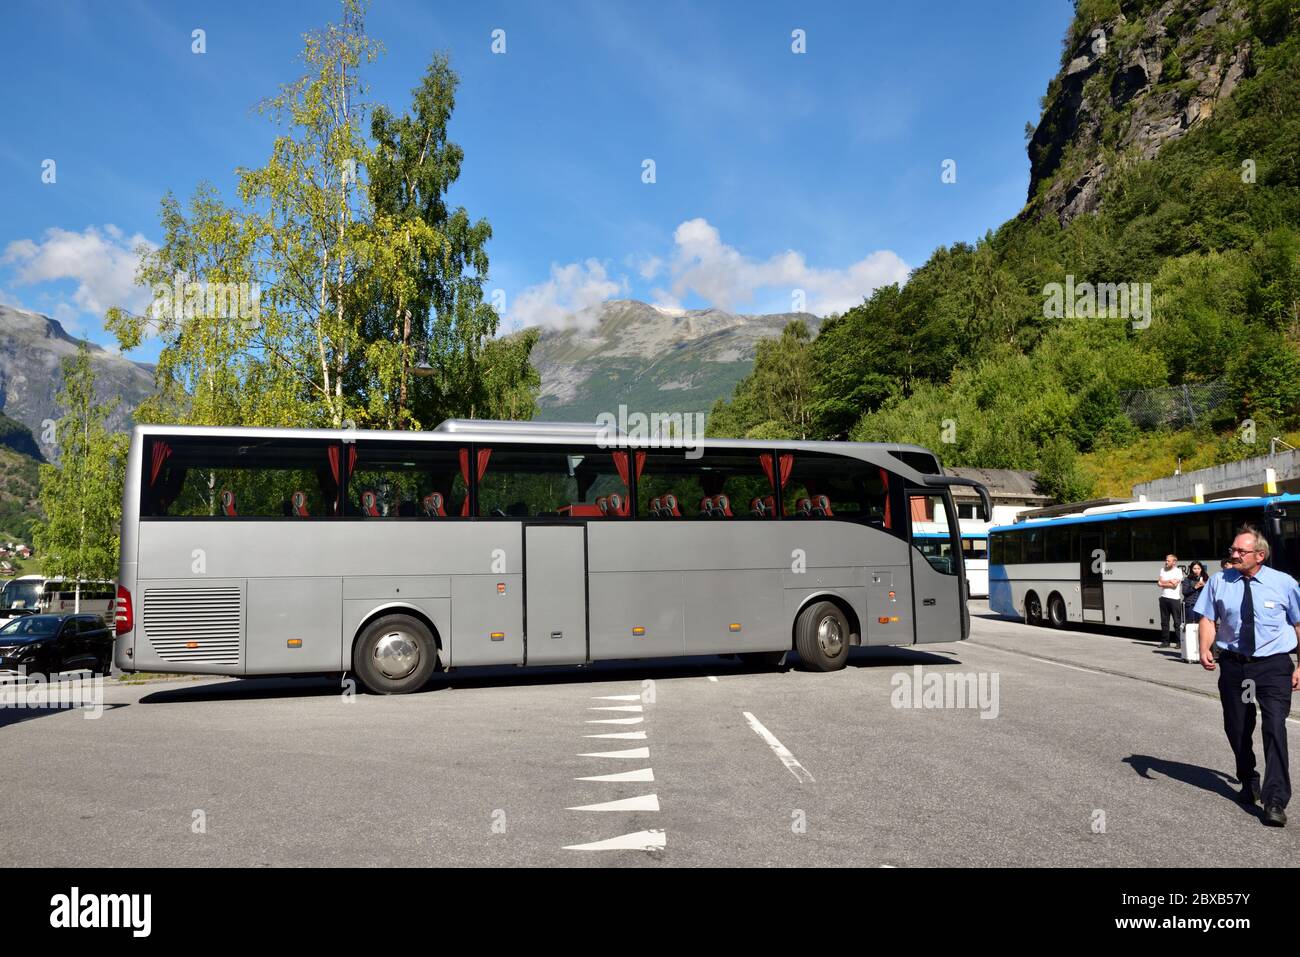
{"x":102,"y":263}
{"x":703,"y":264}
{"x":572,"y":291}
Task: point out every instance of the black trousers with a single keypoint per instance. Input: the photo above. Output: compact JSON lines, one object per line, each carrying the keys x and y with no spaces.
{"x":1171,"y":618}
{"x":1241,"y":684}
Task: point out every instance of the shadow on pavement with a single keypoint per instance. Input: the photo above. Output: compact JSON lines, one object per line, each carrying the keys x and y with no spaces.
{"x":1207,"y":779}
{"x":244,"y":689}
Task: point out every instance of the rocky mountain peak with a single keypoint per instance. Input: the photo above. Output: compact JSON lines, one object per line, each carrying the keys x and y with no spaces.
{"x":1130,"y":84}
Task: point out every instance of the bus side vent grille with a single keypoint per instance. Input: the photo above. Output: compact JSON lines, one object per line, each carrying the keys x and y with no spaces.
{"x":193,"y":624}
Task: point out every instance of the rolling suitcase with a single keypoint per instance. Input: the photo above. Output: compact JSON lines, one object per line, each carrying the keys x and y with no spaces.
{"x":1191,"y":643}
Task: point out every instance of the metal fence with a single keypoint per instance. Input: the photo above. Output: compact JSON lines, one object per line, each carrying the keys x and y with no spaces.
{"x":1176,"y":405}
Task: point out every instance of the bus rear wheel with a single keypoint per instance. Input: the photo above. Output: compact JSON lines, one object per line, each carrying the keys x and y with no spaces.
{"x":821,"y":636}
{"x":396,"y":654}
{"x":1033,"y":609}
{"x":1056,"y":612}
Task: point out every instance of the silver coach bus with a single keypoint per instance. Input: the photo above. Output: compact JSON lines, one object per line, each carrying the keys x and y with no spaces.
{"x":393,"y":554}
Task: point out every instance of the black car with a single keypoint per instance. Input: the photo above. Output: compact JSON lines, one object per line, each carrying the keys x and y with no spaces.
{"x":48,"y":644}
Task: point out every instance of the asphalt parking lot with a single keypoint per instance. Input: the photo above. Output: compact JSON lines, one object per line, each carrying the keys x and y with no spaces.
{"x":1023,"y":746}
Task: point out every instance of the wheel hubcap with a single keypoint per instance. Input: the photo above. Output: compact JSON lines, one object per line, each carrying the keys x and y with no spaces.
{"x":397,"y":654}
{"x":829,"y":636}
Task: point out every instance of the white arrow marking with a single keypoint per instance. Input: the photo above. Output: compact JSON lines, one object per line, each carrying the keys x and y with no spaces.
{"x":629,"y":753}
{"x":633,"y":708}
{"x":645,"y":774}
{"x":620,"y":735}
{"x":647,"y":802}
{"x":616,"y":721}
{"x":653,"y":840}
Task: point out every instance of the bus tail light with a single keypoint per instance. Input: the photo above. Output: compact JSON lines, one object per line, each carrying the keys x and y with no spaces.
{"x":122,"y":611}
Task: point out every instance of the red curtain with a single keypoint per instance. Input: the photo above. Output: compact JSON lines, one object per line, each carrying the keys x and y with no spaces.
{"x":334,"y":462}
{"x":765,"y":460}
{"x":884,"y":481}
{"x":620,"y":463}
{"x":464,"y":474}
{"x":161,"y":452}
{"x":787,"y":466}
{"x":640,"y":463}
{"x":352,"y":457}
{"x":483,"y":456}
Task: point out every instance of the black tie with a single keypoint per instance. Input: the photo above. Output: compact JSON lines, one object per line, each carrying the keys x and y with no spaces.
{"x":1246,"y":634}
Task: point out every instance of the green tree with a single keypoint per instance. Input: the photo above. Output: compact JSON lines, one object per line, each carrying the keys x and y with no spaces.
{"x":81,"y":496}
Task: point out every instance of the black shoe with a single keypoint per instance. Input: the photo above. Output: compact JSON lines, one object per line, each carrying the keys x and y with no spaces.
{"x":1274,"y":816}
{"x":1249,"y":794}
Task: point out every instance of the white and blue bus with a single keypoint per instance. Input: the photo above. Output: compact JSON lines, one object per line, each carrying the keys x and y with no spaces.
{"x":1100,"y":565}
{"x":975,"y":554}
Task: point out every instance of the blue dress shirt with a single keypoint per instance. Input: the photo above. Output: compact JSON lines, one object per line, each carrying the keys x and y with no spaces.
{"x":1276,"y":598}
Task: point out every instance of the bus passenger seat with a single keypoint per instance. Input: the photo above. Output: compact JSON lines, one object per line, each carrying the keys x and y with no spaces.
{"x":721,"y":507}
{"x":369,"y":503}
{"x":706,"y":505}
{"x":770,"y":502}
{"x":803,"y":507}
{"x":228,"y":502}
{"x":670,"y":506}
{"x":615,"y":503}
{"x":433,"y":506}
{"x":822,"y":506}
{"x":758,"y":507}
{"x":299,"y":503}
{"x":602,"y":503}
{"x":655,"y":507}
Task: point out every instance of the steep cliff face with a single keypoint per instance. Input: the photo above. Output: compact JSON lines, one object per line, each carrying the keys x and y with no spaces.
{"x":1136,"y":75}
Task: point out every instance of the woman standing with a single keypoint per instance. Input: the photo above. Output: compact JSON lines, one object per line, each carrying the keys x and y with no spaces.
{"x":1192,"y":585}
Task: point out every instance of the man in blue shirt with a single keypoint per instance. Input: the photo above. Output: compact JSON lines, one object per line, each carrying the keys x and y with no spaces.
{"x":1250,"y":613}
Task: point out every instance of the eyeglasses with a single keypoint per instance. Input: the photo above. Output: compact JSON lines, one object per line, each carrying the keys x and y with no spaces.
{"x":1240,"y":551}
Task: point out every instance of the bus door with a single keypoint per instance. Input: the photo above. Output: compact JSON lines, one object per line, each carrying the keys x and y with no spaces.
{"x":938,"y":576}
{"x":1092,"y":564}
{"x":555,"y":594}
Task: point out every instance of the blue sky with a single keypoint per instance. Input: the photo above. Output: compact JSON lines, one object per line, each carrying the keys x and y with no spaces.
{"x":773,"y":170}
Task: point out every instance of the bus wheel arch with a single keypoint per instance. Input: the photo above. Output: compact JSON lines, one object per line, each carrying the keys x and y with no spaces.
{"x":846,"y":608}
{"x":1056,"y":614}
{"x":823,"y":632}
{"x":395,"y":650}
{"x":1033,"y":608}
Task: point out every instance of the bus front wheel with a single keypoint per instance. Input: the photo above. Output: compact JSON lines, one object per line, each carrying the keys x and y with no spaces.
{"x":821,"y":636}
{"x":396,"y":654}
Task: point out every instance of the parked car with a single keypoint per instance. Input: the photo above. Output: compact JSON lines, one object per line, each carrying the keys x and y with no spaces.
{"x":48,"y":644}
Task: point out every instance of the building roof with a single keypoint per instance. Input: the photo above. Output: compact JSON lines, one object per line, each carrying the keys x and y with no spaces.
{"x":1001,"y":483}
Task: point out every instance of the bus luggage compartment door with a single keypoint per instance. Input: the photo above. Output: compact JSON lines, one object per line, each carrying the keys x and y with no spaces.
{"x":555,"y":586}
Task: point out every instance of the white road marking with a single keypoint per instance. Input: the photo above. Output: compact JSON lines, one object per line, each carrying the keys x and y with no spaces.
{"x":646,"y":802}
{"x":711,"y":678}
{"x":629,"y":753}
{"x":780,"y":750}
{"x":616,"y":721}
{"x":617,"y":697}
{"x":652,"y":840}
{"x":621,"y":735}
{"x":632,"y":708}
{"x":643,"y":775}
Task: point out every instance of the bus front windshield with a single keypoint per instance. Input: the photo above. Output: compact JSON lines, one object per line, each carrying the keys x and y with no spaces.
{"x":20,"y":594}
